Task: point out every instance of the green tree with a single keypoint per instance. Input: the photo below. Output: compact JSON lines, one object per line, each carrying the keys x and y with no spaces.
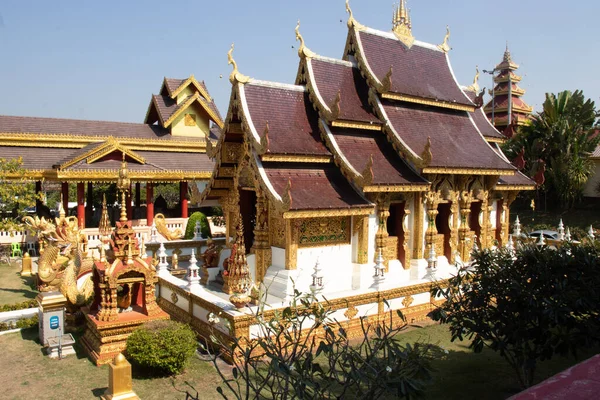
{"x":16,"y":191}
{"x":528,"y":306}
{"x":563,"y":136}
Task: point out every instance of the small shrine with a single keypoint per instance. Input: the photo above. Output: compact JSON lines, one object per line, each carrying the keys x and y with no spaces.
{"x":124,"y":284}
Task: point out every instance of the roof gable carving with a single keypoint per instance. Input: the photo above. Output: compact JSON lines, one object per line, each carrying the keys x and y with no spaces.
{"x":97,"y":151}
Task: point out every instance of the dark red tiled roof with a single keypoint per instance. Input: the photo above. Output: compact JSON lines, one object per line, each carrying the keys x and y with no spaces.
{"x":173,"y":84}
{"x":314,"y":187}
{"x":331,"y":78}
{"x":418,"y":71}
{"x":455,"y":143}
{"x":518,"y":179}
{"x":502,"y":101}
{"x":165,"y":106}
{"x":37,"y":157}
{"x":482,"y":122}
{"x":293,"y":123}
{"x":388,"y":169}
{"x":10,"y":124}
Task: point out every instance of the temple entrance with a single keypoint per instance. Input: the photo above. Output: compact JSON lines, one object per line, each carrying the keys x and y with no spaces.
{"x":396,"y":228}
{"x":442,"y":223}
{"x":474,"y":220}
{"x":248,"y":211}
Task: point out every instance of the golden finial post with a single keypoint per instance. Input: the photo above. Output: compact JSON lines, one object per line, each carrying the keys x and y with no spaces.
{"x":303,"y":51}
{"x":235,"y":75}
{"x":445,"y":47}
{"x":475,"y":86}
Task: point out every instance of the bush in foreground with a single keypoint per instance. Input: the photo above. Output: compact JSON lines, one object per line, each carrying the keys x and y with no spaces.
{"x":191,"y":224}
{"x":528,"y":306}
{"x":161,"y":347}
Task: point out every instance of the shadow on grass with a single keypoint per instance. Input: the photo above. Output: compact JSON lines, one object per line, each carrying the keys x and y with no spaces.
{"x":99,"y":391}
{"x":32,"y":334}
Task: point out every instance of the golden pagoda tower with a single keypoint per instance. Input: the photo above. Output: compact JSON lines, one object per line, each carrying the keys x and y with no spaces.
{"x":239,"y":274}
{"x":506,"y":106}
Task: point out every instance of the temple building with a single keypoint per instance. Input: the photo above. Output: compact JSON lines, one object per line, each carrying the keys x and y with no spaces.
{"x":170,"y":146}
{"x":507,"y":109}
{"x":381,"y":151}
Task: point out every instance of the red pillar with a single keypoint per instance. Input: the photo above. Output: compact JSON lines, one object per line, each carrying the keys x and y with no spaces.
{"x":128,"y":200}
{"x":183,"y":189}
{"x":65,"y":197}
{"x":81,"y":204}
{"x":149,"y":203}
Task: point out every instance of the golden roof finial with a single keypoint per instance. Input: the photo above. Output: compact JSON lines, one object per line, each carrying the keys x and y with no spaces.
{"x":104,"y":226}
{"x":351,"y":21}
{"x":507,"y":56}
{"x":475,"y":86}
{"x":123,"y":207}
{"x":427,"y":155}
{"x":303,"y":51}
{"x":235,"y":74}
{"x":61,"y":208}
{"x":401,"y":25}
{"x":445,"y":47}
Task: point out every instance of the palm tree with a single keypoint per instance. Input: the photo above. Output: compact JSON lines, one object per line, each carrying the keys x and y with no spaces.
{"x":563,"y":136}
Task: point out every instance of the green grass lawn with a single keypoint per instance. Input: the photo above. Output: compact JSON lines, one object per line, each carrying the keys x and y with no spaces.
{"x":13,"y":287}
{"x":28,"y":374}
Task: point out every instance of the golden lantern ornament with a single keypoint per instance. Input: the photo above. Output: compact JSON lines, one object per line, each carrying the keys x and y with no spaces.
{"x":239,"y":273}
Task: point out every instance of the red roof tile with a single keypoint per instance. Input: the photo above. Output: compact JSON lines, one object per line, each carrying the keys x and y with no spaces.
{"x":331,"y":78}
{"x":388,"y":169}
{"x":293,"y":123}
{"x":173,"y":84}
{"x":455,"y":143}
{"x":166,"y":106}
{"x":482,"y":122}
{"x":518,"y":179}
{"x":314,"y":187}
{"x":37,"y":157}
{"x":418,"y":71}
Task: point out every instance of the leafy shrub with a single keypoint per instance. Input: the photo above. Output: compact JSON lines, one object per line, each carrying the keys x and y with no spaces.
{"x":304,"y":353}
{"x":19,"y":306}
{"x":528,"y":306}
{"x":23,"y":323}
{"x":161,"y":347}
{"x":191,"y":224}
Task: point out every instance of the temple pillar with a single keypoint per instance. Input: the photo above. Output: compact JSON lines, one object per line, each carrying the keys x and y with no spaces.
{"x":81,"y":204}
{"x":291,"y":243}
{"x":149,"y":203}
{"x":138,"y":196}
{"x":454,"y":229}
{"x":406,"y":230}
{"x":383,"y":212}
{"x":418,"y":226}
{"x":65,"y":196}
{"x":361,"y":227}
{"x":509,"y":197}
{"x":261,"y":246}
{"x":464,"y":235}
{"x":183,"y":200}
{"x":89,"y":206}
{"x":432,"y":201}
{"x":38,"y":200}
{"x":485,"y":225}
{"x":128,"y":204}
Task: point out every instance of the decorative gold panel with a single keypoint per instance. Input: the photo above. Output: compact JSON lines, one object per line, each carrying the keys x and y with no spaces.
{"x":324,"y":231}
{"x":190,"y":120}
{"x":231,"y":152}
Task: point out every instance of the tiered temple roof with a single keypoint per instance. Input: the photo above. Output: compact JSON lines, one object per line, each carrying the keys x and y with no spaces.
{"x":170,"y":146}
{"x":383,"y":119}
{"x":506,"y":106}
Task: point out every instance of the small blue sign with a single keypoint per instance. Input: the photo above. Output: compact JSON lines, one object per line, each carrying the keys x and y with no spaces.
{"x":54,"y":322}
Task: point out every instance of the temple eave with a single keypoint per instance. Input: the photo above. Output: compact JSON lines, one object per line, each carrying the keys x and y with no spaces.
{"x":467,"y":171}
{"x":428,"y":102}
{"x":334,"y":212}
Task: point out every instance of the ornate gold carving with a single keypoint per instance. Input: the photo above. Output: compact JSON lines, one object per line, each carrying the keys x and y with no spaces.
{"x":467,"y":171}
{"x":475,"y":85}
{"x":277,"y":228}
{"x":303,"y":51}
{"x":426,"y":155}
{"x":402,"y":26}
{"x":190,"y":119}
{"x":361,"y":227}
{"x":445,"y":47}
{"x":395,"y":188}
{"x":231,"y":152}
{"x":291,"y":244}
{"x":187,"y":103}
{"x":235,"y":75}
{"x":429,"y":102}
{"x":387,"y":81}
{"x":352,"y":23}
{"x":367,"y":173}
{"x":407,"y":301}
{"x":328,"y":213}
{"x":356,"y":125}
{"x":296,"y":158}
{"x":324,"y":231}
{"x":189,"y":81}
{"x":351,"y":312}
{"x":86,"y":175}
{"x":174,"y":297}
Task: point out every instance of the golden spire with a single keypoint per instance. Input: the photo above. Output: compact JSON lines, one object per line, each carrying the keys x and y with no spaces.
{"x":303,"y":51}
{"x":401,"y":24}
{"x":507,"y":56}
{"x":61,"y":209}
{"x":104,"y":226}
{"x":445,"y":47}
{"x":235,"y":74}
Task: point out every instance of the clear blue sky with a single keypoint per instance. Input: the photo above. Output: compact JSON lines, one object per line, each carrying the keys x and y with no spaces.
{"x":103,"y":59}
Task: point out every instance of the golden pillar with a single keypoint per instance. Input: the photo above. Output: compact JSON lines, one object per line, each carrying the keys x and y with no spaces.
{"x":418,"y":226}
{"x":454,"y":235}
{"x":432,"y":200}
{"x":361,"y":227}
{"x":509,"y":197}
{"x":26,"y":265}
{"x":485,"y":222}
{"x":383,"y":212}
{"x":261,"y":246}
{"x":291,"y":243}
{"x":406,"y":230}
{"x":464,"y":236}
{"x":119,"y":380}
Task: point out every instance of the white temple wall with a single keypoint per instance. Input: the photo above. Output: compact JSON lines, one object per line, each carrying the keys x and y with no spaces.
{"x":278,"y":257}
{"x":425,"y":223}
{"x":251,"y":260}
{"x":410,"y":224}
{"x":336,"y":264}
{"x":354,"y":241}
{"x":494,"y":213}
{"x":372,"y":232}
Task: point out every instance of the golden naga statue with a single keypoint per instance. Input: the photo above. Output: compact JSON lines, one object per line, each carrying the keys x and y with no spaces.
{"x":61,"y":260}
{"x":161,"y":227}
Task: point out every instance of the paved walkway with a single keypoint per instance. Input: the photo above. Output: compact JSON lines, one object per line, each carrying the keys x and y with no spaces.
{"x":580,"y":382}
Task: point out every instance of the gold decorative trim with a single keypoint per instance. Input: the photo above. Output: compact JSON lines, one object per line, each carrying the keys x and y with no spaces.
{"x":428,"y":102}
{"x":475,"y":85}
{"x":187,"y":103}
{"x":494,"y":140}
{"x":396,"y":188}
{"x":73,"y":141}
{"x":235,"y":75}
{"x":328,"y":213}
{"x":303,"y":51}
{"x":445,"y":47}
{"x":357,"y":125}
{"x":296,"y":158}
{"x":110,"y":175}
{"x":186,"y":83}
{"x":467,"y":171}
{"x":515,"y":187}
